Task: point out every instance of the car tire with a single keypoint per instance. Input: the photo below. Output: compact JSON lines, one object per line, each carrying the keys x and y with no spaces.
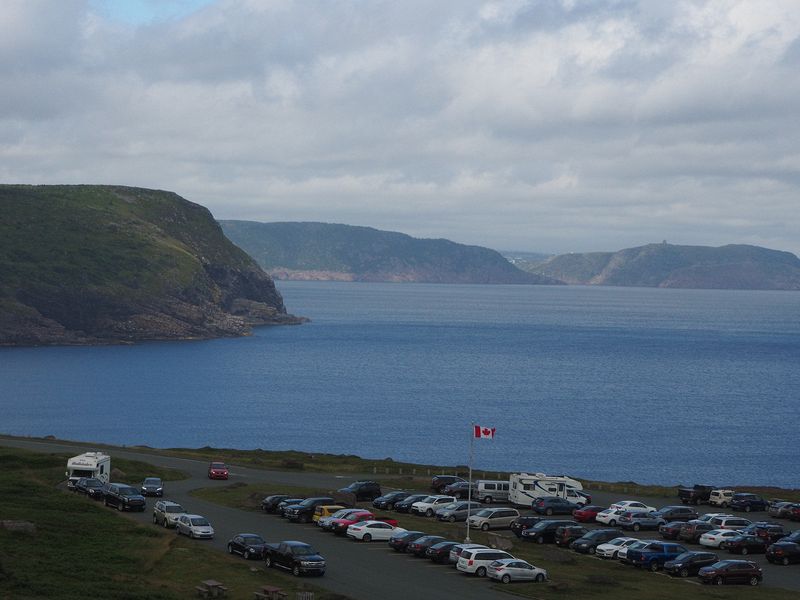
{"x":615,"y":556}
{"x":390,"y":506}
{"x":429,"y":512}
{"x":612,"y":523}
{"x":724,"y":505}
{"x":268,"y":562}
{"x":718,"y":581}
{"x":506,"y":578}
{"x":488,"y":500}
{"x":540,"y":540}
{"x":105,"y":501}
{"x":548,"y":512}
{"x":653,"y":566}
{"x":636,"y":527}
{"x":367,"y":538}
{"x":592,"y":550}
{"x":230,"y":549}
{"x":119,"y":507}
{"x":485,"y":527}
{"x":247,"y":555}
{"x":539,"y":578}
{"x":451,"y":519}
{"x":753,"y":581}
{"x":165,"y":523}
{"x":155,"y":520}
{"x":747,"y":509}
{"x":296,"y":571}
{"x":745,"y":551}
{"x":785,"y":561}
{"x":191,"y":534}
{"x":480,"y":572}
{"x":684,"y":572}
{"x":723,"y":546}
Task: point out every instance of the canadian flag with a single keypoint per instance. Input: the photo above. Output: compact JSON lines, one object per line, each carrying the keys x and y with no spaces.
{"x":484,"y":432}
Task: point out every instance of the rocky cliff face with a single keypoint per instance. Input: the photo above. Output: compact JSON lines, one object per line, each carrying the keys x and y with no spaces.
{"x":105,"y":264}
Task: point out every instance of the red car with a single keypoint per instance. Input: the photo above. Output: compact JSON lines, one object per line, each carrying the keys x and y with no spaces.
{"x":339,"y":526}
{"x":794,"y":512}
{"x":587,"y":514}
{"x":217,"y":470}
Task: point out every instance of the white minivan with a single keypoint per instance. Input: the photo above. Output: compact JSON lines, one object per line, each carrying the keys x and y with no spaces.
{"x":490,"y":491}
{"x":478,"y":560}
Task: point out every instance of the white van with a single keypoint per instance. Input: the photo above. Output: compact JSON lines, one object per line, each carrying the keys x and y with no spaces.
{"x":490,"y":491}
{"x":88,"y":464}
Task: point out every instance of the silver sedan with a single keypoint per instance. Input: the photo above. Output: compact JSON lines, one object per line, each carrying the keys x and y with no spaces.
{"x":507,"y":570}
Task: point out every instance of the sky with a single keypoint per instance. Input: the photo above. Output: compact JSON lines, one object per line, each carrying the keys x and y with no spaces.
{"x":533,"y":125}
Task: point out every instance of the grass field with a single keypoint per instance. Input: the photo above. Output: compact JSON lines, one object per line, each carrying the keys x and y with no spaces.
{"x":571,"y":575}
{"x":82,"y":550}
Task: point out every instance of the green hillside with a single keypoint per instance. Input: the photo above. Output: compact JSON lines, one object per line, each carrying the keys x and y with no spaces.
{"x":671,"y":266}
{"x":346,"y":252}
{"x":85,"y":264}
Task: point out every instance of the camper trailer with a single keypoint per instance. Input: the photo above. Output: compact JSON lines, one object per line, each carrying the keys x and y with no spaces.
{"x":88,"y":464}
{"x":527,"y":487}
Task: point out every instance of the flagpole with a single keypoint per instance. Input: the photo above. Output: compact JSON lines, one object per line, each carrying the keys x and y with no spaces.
{"x":469,"y":489}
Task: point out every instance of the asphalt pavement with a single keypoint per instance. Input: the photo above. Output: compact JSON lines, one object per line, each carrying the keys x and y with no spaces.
{"x":361,"y":571}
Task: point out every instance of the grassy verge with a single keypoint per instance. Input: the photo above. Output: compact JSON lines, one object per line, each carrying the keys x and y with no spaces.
{"x":571,"y":575}
{"x":80,"y":549}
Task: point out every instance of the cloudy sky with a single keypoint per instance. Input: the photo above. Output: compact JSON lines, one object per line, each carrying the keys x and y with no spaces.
{"x":538,"y":125}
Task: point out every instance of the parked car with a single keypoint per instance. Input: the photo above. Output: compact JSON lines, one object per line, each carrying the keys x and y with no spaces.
{"x":270,"y":503}
{"x":326,"y":523}
{"x":439,"y":482}
{"x":507,"y":570}
{"x":588,"y":543}
{"x":567,"y":534}
{"x":792,"y":537}
{"x":363,"y":490}
{"x":477,"y":560}
{"x":676,"y":513}
{"x":783,"y":553}
{"x":544,"y":531}
{"x":721,"y":498}
{"x":794,"y":512}
{"x":520,"y":524}
{"x":280,"y":510}
{"x":587,"y":514}
{"x":746,"y":544}
{"x":326,"y":510}
{"x":695,"y":495}
{"x":429,"y":505}
{"x":747,"y":502}
{"x":457,"y":511}
{"x":303,"y":512}
{"x":152,"y":486}
{"x":653,"y":555}
{"x":732,"y":571}
{"x":769,"y":532}
{"x":440,"y":553}
{"x":729,"y":523}
{"x":217,"y":470}
{"x":640,"y":520}
{"x":387,"y":501}
{"x":91,"y":487}
{"x":610,"y":516}
{"x":718,"y":538}
{"x":367,"y":531}
{"x":488,"y":491}
{"x":689,"y":563}
{"x":404,"y":505}
{"x":167,"y":513}
{"x":420,"y":545}
{"x":455,"y":551}
{"x":622,"y":554}
{"x":195,"y":526}
{"x":633,"y":506}
{"x":493,"y":518}
{"x":781,"y":510}
{"x":339,"y":526}
{"x":459,"y":489}
{"x":249,"y":545}
{"x":671,"y":531}
{"x":553,"y":505}
{"x":399,"y":541}
{"x":297,"y":557}
{"x":611,"y":548}
{"x":124,"y":497}
{"x":706,"y":518}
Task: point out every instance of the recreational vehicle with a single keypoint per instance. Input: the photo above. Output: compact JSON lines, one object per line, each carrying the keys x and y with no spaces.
{"x":88,"y":464}
{"x":527,"y":487}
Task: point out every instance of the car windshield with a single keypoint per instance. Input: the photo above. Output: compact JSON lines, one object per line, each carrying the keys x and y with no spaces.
{"x":217,"y":465}
{"x":684,"y":556}
{"x":200,"y":521}
{"x":152,"y":481}
{"x":174,"y":508}
{"x":303,"y":550}
{"x":429,"y":499}
{"x":484,"y":513}
{"x":253,"y":540}
{"x":127,"y":491}
{"x":592,"y":535}
{"x":616,"y":541}
{"x":93,"y":483}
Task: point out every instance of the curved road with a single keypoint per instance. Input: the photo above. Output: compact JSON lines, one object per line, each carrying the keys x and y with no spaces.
{"x":360,"y":571}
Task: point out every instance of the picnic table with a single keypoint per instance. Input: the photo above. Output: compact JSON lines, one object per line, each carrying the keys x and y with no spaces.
{"x":210,"y":588}
{"x":270,"y":592}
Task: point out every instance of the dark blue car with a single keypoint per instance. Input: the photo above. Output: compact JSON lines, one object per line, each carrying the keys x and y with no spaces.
{"x":553,"y":505}
{"x":748,"y":502}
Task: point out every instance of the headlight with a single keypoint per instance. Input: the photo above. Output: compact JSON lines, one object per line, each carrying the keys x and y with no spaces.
{"x":159,"y":489}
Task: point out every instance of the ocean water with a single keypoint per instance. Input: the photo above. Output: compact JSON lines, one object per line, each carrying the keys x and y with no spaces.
{"x":630,"y":384}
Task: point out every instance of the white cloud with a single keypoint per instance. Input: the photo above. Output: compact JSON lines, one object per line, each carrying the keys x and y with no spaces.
{"x":526,"y":124}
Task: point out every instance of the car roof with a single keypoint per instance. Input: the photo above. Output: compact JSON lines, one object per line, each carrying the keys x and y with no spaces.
{"x":169,"y":503}
{"x":191,"y":516}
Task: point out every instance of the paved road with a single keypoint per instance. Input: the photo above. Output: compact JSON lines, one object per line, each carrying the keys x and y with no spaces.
{"x":365,"y":571}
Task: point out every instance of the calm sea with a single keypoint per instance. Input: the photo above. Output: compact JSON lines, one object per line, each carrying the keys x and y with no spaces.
{"x":648,"y":385}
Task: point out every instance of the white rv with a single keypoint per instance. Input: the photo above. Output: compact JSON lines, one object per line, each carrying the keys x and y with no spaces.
{"x":88,"y":464}
{"x":527,"y":487}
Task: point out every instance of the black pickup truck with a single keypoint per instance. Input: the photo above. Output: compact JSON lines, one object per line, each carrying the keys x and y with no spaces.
{"x":696,"y":494}
{"x":297,"y":557}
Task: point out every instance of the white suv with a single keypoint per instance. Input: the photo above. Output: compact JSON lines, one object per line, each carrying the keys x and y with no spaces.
{"x":734,"y":523}
{"x":477,"y":561}
{"x":167,"y":513}
{"x":720,"y":498}
{"x":431,"y":504}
